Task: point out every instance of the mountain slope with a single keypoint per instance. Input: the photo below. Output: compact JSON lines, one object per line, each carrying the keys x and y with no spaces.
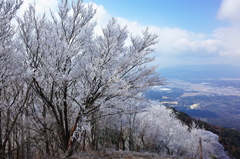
{"x":229,"y":138}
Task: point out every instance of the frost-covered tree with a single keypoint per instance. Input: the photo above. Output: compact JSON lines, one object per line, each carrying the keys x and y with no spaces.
{"x":120,"y":131}
{"x":78,"y":74}
{"x":160,"y":131}
{"x":8,"y":10}
{"x":12,"y":93}
{"x":51,"y":52}
{"x":62,"y":85}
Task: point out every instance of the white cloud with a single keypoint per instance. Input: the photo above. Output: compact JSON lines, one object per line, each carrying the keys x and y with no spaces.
{"x":229,"y":36}
{"x":101,"y":17}
{"x":223,"y":42}
{"x":41,"y":6}
{"x":230,"y":10}
{"x":176,"y":42}
{"x":172,"y":41}
{"x":222,"y":46}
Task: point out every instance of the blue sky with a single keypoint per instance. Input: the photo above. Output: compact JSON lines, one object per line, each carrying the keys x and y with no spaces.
{"x":190,"y":31}
{"x":193,"y":15}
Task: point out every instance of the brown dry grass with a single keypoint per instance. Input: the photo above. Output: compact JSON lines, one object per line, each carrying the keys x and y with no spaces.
{"x":118,"y":155}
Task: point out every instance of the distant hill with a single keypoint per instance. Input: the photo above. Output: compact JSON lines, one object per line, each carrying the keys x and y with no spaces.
{"x":200,"y":72}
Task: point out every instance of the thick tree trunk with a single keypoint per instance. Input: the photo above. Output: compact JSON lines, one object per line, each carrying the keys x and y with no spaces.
{"x":71,"y":142}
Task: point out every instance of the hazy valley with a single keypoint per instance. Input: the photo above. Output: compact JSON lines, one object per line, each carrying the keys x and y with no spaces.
{"x":210,"y":93}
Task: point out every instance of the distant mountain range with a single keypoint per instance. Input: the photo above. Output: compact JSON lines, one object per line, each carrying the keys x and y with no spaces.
{"x":200,"y":72}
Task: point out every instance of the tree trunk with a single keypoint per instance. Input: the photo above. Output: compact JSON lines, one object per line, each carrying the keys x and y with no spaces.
{"x":47,"y":149}
{"x":65,"y":112}
{"x":84,"y":140}
{"x":200,"y":148}
{"x":94,"y":133}
{"x":71,"y":142}
{"x":122,"y":140}
{"x":9,"y":148}
{"x":131,"y":141}
{"x":142,"y":139}
{"x":1,"y":145}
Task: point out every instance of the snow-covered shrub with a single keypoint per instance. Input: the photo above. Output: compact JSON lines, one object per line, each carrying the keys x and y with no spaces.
{"x":160,"y":131}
